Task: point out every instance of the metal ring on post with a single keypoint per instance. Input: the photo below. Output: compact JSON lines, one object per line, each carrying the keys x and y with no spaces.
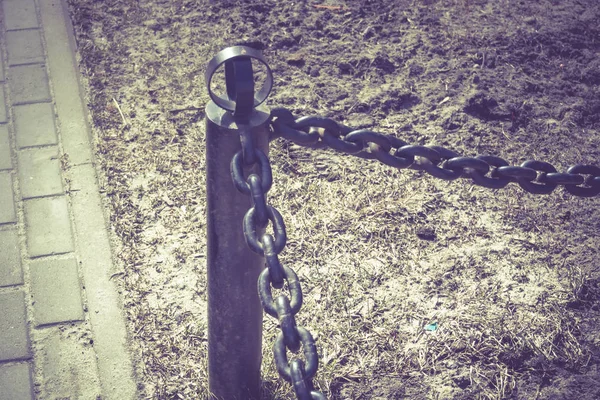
{"x":231,"y":54}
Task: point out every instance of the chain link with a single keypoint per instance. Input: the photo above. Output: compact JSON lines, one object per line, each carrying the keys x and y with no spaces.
{"x":291,"y":336}
{"x":537,"y":177}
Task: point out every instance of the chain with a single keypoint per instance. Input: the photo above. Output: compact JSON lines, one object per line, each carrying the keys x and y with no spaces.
{"x":291,"y":337}
{"x":537,"y":177}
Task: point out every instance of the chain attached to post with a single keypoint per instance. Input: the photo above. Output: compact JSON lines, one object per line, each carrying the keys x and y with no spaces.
{"x":292,"y":337}
{"x":533,"y":176}
{"x":239,"y":106}
{"x":234,"y":360}
{"x":493,"y":172}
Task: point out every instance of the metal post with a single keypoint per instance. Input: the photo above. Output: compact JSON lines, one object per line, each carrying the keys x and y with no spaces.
{"x":234,"y":309}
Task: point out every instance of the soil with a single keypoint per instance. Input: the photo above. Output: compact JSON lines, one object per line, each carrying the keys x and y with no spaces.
{"x":414,"y":287}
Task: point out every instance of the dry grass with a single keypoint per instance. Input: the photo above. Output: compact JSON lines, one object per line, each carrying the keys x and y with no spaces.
{"x":498,"y":305}
{"x":509,"y":279}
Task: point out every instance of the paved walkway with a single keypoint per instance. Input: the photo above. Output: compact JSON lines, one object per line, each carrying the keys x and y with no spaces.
{"x":62,"y":335}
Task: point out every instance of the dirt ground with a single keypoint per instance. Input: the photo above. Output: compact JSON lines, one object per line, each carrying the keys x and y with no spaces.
{"x":414,"y":287}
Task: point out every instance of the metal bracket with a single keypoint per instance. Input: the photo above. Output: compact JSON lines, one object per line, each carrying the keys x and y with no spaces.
{"x":239,"y":80}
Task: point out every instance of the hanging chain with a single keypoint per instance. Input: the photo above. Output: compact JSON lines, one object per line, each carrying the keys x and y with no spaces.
{"x":533,"y":176}
{"x":291,"y":337}
{"x":537,"y":177}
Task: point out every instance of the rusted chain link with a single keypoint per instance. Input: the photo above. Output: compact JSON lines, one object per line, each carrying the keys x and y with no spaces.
{"x":291,"y":337}
{"x":537,"y":177}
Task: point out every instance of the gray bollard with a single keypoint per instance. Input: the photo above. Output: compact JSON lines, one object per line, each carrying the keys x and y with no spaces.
{"x":234,"y":309}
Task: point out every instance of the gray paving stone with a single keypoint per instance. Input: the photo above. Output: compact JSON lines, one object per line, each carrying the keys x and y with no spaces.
{"x":56,"y":291}
{"x":48,"y":227}
{"x":29,"y":84}
{"x":34,"y":125}
{"x":7,"y":202}
{"x":10,"y":259}
{"x":13,"y":327}
{"x":2,"y":105}
{"x":39,"y":172}
{"x":20,"y":14}
{"x":16,"y":382}
{"x":67,"y":361}
{"x":24,"y":47}
{"x":5,"y":158}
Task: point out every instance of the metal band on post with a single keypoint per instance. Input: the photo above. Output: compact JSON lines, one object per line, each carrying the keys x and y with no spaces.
{"x":234,"y":308}
{"x":228,"y":57}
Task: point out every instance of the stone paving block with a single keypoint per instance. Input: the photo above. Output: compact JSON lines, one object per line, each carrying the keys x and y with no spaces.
{"x":20,"y":14}
{"x":67,"y":362}
{"x":5,"y":159}
{"x":10,"y":259}
{"x":56,"y":291}
{"x":24,"y":47}
{"x":7,"y":202}
{"x":29,"y":84}
{"x":14,"y":338}
{"x":3,"y":118}
{"x":16,"y":382}
{"x":34,"y":125}
{"x":48,"y":227}
{"x":39,"y":172}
